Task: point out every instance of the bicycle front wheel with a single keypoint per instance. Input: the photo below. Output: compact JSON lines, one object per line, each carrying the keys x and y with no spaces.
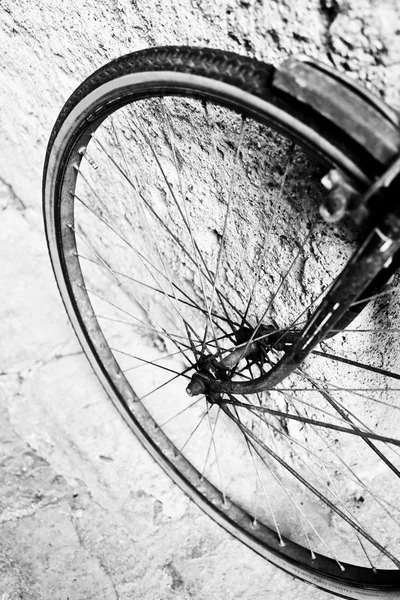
{"x":181,"y":207}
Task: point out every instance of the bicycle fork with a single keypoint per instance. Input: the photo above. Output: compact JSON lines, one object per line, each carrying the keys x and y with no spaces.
{"x":368,"y":269}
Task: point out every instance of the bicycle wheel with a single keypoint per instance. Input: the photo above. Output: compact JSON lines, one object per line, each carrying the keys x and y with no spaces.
{"x":181,"y":208}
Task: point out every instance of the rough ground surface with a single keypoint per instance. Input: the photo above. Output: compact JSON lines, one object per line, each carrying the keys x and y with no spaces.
{"x":84,"y":512}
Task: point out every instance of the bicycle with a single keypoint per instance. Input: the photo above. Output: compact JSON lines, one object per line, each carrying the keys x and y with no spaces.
{"x":225,"y":237}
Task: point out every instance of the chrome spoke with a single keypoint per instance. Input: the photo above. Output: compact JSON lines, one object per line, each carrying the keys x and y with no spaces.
{"x":187,"y":221}
{"x":128,"y":291}
{"x":171,"y":336}
{"x":356,"y":431}
{"x":300,"y":513}
{"x":206,"y":274}
{"x":174,"y":305}
{"x":355,"y":363}
{"x":150,"y":362}
{"x":260,"y":482}
{"x":192,"y":433}
{"x":214,"y":445}
{"x":345,"y":416}
{"x":377,"y":295}
{"x":225,"y":224}
{"x":315,"y":491}
{"x":276,"y":202}
{"x":178,"y":414}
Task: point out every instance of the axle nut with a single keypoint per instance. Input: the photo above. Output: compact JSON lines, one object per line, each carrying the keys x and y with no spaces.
{"x":196,"y":386}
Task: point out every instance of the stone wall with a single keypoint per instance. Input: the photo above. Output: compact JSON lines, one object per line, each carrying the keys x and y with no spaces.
{"x":48,"y":47}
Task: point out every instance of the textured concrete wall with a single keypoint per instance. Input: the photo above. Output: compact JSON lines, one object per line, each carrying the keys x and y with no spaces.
{"x":48,"y":47}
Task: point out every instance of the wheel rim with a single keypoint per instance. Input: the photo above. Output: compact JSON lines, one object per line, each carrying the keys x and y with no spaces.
{"x":250,"y":527}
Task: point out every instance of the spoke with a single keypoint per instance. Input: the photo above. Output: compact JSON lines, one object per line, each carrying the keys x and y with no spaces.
{"x":163,"y":224}
{"x":149,"y":362}
{"x":356,"y":418}
{"x":378,"y":295}
{"x":212,"y":431}
{"x":190,"y":304}
{"x":267,"y":239}
{"x":212,"y":168}
{"x":116,"y":273}
{"x":209,"y":448}
{"x":117,"y":231}
{"x":146,"y":203}
{"x":196,"y":354}
{"x":212,"y":136}
{"x":345,"y":416}
{"x":343,"y":389}
{"x":331,"y":487}
{"x":259,"y":480}
{"x":170,"y":336}
{"x":227,"y":215}
{"x":314,"y":490}
{"x":381,"y":330}
{"x":149,"y":225}
{"x":159,"y":387}
{"x":355,"y":363}
{"x":130,"y":294}
{"x":181,"y":411}
{"x":143,"y":326}
{"x":278,"y":413}
{"x":194,"y":431}
{"x":364,"y":396}
{"x":154,"y":361}
{"x":356,"y":479}
{"x":286,"y":392}
{"x":178,"y":337}
{"x":353,"y":478}
{"x":197,"y":252}
{"x":187,"y":217}
{"x":144,"y":261}
{"x":283,"y":279}
{"x":301,"y":515}
{"x":333,"y":490}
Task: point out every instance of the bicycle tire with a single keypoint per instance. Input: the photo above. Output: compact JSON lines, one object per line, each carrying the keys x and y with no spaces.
{"x":245,"y":86}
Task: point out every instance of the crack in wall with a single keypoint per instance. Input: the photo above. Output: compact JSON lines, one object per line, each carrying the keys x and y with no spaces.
{"x":93,"y":555}
{"x":30,"y":370}
{"x":8,"y":516}
{"x":9,"y":192}
{"x":330,"y":9}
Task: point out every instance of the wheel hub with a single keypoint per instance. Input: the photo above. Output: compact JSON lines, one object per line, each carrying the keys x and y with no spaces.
{"x":252,"y":345}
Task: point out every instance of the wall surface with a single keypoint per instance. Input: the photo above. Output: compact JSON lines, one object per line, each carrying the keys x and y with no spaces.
{"x":48,"y":48}
{"x":84,"y":512}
